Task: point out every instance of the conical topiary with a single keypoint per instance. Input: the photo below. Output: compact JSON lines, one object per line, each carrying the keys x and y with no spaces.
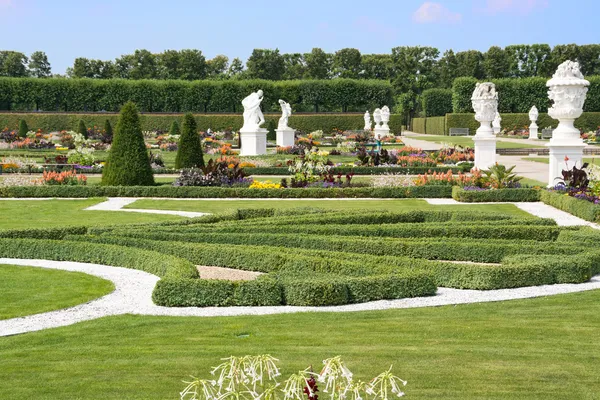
{"x":128,"y":163}
{"x":81,"y":128}
{"x":189,"y":152}
{"x":174,"y":129}
{"x":108,"y":132}
{"x":23,"y":129}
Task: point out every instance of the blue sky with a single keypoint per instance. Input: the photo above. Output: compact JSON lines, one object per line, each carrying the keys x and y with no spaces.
{"x":66,"y":29}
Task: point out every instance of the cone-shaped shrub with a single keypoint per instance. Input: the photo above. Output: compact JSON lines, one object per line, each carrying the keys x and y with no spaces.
{"x":108,"y":132}
{"x":81,"y":128}
{"x":189,"y":152}
{"x":174,"y":129}
{"x":128,"y":163}
{"x":23,"y":129}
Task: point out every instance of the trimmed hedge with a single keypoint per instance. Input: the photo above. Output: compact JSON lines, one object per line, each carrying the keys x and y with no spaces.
{"x":430,"y":125}
{"x":57,"y":94}
{"x":519,"y":95}
{"x":496,"y":195}
{"x":580,"y":208}
{"x":367,"y":170}
{"x":50,"y":122}
{"x":436,"y":102}
{"x":43,"y":233}
{"x":218,"y":192}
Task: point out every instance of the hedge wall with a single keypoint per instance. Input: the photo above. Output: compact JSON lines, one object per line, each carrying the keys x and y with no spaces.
{"x":519,"y":95}
{"x":588,"y":121}
{"x":58,"y":94}
{"x":430,"y":125}
{"x":50,"y":122}
{"x":580,"y":208}
{"x":498,"y":195}
{"x":436,"y":102}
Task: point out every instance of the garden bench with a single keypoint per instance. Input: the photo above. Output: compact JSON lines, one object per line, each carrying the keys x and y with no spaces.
{"x":458,"y":132}
{"x":547,"y":133}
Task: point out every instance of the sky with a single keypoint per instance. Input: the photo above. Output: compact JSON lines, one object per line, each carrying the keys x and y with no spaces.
{"x":66,"y":29}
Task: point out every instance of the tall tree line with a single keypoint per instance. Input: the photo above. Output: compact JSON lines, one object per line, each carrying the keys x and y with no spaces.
{"x":411,"y":69}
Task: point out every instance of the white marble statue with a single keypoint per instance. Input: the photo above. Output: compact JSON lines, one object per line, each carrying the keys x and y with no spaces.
{"x":485,"y":104}
{"x":367,"y":121}
{"x":377,"y":117}
{"x":385,"y":116}
{"x":253,"y":116}
{"x":286,"y":111}
{"x":497,"y":124}
{"x":533,"y":127}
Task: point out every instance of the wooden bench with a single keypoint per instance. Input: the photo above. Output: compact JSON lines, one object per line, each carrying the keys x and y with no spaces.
{"x":458,"y":132}
{"x":547,"y":133}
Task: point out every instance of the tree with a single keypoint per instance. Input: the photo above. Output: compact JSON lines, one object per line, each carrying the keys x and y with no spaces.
{"x":13,"y":64}
{"x":23,"y":129}
{"x":377,"y":66}
{"x":414,"y":68}
{"x":495,"y":63}
{"x":189,"y":152}
{"x":39,"y":66}
{"x":295,"y":68}
{"x":446,"y":69}
{"x":174,"y":130}
{"x":347,"y":63}
{"x":128,"y":163}
{"x":81,"y":68}
{"x":236,"y":68}
{"x":527,"y":60}
{"x":318,"y":64}
{"x":108,"y":132}
{"x":470,"y":63}
{"x":560,"y":54}
{"x":589,"y":59}
{"x":82,"y":129}
{"x":266,"y":64}
{"x":142,"y":64}
{"x":217,"y":67}
{"x":169,"y":64}
{"x":192,"y":65}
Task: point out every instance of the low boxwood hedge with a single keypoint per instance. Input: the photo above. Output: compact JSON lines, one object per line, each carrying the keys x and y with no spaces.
{"x":495,"y":195}
{"x":581,"y":208}
{"x":218,"y":192}
{"x":367,"y":170}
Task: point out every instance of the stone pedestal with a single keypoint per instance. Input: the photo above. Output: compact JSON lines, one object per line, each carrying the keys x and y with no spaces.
{"x":254,"y":143}
{"x":285,"y":137}
{"x":485,"y":152}
{"x":563,"y":157}
{"x":381,"y":132}
{"x":533,"y":131}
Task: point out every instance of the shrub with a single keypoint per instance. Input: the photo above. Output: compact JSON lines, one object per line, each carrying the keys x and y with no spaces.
{"x":108,"y":131}
{"x":189,"y":152}
{"x":23,"y":129}
{"x":436,"y":102}
{"x":174,"y":129}
{"x":495,"y":195}
{"x":580,"y":208}
{"x":82,"y":129}
{"x":128,"y":163}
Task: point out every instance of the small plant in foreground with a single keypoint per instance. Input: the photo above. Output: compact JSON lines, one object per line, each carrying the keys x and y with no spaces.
{"x":255,"y":378}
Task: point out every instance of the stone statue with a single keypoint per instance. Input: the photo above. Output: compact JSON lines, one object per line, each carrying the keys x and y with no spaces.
{"x":533,"y":127}
{"x":385,"y":116}
{"x":497,"y":123}
{"x":253,"y":116}
{"x":286,"y":111}
{"x":377,"y":117}
{"x":533,"y":114}
{"x":367,"y":121}
{"x":485,"y":104}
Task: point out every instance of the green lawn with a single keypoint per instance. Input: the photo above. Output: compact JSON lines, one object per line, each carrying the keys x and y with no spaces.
{"x":546,"y":160}
{"x":528,"y":349}
{"x":19,"y":214}
{"x":30,"y":290}
{"x":468,"y":142}
{"x":215,"y":206}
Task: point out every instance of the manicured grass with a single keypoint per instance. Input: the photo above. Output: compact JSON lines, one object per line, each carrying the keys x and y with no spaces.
{"x":215,"y":206}
{"x":546,"y":160}
{"x":20,"y":214}
{"x":532,"y":182}
{"x":468,"y":142}
{"x":30,"y":290}
{"x":529,"y":349}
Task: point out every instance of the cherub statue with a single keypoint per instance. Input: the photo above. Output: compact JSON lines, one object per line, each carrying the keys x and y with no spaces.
{"x":286,"y":111}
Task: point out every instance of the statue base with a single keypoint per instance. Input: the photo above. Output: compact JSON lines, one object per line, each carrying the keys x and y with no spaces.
{"x":533,"y":132}
{"x":381,"y":132}
{"x":497,"y":130}
{"x":253,"y":142}
{"x":485,"y":152}
{"x":286,"y":137}
{"x":563,"y":157}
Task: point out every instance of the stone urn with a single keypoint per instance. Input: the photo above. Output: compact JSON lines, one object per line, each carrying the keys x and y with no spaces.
{"x":533,"y":127}
{"x":485,"y":104}
{"x":568,"y":90}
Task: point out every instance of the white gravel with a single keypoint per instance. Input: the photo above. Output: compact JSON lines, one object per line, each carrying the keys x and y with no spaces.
{"x":134,"y":289}
{"x":117,"y":204}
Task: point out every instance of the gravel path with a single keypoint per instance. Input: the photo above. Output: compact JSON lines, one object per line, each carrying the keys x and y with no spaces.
{"x":228,"y":274}
{"x":117,"y":204}
{"x":134,"y":289}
